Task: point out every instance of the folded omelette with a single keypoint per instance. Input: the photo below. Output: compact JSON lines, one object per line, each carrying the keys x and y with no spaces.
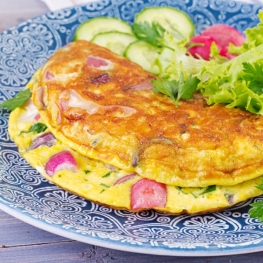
{"x":110,"y":139}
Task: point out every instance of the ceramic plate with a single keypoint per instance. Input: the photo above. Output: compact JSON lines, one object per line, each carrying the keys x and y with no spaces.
{"x":27,"y":196}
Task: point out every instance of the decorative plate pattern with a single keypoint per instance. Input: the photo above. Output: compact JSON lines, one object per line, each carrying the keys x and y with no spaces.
{"x":26,"y":195}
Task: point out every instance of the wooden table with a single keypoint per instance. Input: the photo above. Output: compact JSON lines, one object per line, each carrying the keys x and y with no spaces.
{"x":23,"y":243}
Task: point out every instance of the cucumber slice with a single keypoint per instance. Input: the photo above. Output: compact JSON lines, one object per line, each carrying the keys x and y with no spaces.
{"x":94,"y":26}
{"x":117,"y":42}
{"x":143,"y":54}
{"x":175,"y":21}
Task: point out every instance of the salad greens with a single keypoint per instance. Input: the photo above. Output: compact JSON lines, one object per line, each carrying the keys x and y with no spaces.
{"x":254,"y":37}
{"x":235,"y":83}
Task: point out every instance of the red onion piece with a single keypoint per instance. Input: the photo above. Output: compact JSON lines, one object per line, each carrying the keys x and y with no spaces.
{"x":74,"y":100}
{"x":30,"y":112}
{"x":146,"y":194}
{"x":125,"y":178}
{"x":61,"y":161}
{"x":40,"y":97}
{"x":46,"y":139}
{"x":111,"y":167}
{"x":49,"y":76}
{"x":145,"y":85}
{"x":102,"y":79}
{"x":37,"y":117}
{"x":99,"y":63}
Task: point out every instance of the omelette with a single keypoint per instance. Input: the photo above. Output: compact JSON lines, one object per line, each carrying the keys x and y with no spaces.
{"x":106,"y":184}
{"x":102,"y":106}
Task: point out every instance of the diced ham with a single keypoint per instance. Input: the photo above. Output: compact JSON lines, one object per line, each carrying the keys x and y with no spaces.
{"x":146,"y":194}
{"x":61,"y":161}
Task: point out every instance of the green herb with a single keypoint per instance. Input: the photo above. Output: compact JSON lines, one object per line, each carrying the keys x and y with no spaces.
{"x":106,"y":175}
{"x":209,"y":189}
{"x":87,"y":171}
{"x":253,"y":73}
{"x":257,"y":208}
{"x":102,"y":191}
{"x":105,"y":185}
{"x":176,"y":90}
{"x":36,"y":128}
{"x":152,"y":34}
{"x":20,"y":98}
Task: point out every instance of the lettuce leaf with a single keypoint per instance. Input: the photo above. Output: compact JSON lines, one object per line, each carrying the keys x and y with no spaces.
{"x":254,"y":37}
{"x":236,"y":83}
{"x":174,"y":61}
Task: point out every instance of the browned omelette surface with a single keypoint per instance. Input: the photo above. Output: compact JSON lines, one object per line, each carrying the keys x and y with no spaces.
{"x":101,"y":105}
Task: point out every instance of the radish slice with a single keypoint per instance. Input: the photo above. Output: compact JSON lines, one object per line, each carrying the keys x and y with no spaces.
{"x":61,"y":161}
{"x":148,"y":194}
{"x":224,"y":35}
{"x":46,"y":139}
{"x":125,"y":178}
{"x":204,"y":50}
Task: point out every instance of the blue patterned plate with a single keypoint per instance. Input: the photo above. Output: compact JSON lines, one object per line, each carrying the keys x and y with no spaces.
{"x":27,"y":196}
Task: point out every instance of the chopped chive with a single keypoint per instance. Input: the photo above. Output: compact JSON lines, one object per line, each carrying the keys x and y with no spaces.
{"x":87,"y":171}
{"x":105,"y":185}
{"x":209,"y":189}
{"x":106,"y":175}
{"x":102,"y":191}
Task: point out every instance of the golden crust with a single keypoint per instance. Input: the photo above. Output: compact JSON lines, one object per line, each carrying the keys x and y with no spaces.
{"x":140,"y":130}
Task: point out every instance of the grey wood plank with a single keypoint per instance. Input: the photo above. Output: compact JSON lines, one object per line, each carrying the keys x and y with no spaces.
{"x":14,"y":232}
{"x":13,"y":12}
{"x":74,"y":252}
{"x":23,"y":243}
